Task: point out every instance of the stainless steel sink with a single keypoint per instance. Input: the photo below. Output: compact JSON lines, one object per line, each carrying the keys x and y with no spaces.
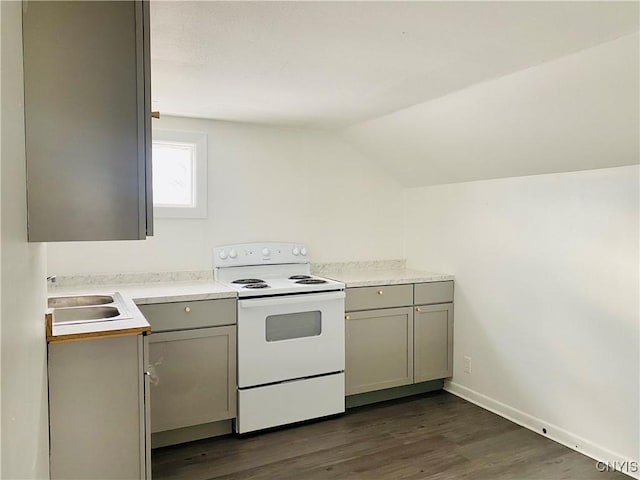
{"x":79,"y":301}
{"x":77,"y":309}
{"x":84,"y":315}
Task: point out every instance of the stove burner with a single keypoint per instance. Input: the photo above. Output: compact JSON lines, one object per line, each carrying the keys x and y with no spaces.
{"x":246,"y":281}
{"x":256,"y":285}
{"x":311,"y":281}
{"x":299,"y":277}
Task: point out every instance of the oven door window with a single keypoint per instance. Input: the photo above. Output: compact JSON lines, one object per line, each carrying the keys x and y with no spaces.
{"x":293,"y":325}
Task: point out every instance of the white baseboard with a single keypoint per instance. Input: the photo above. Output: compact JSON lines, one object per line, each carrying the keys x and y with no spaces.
{"x":555,"y":433}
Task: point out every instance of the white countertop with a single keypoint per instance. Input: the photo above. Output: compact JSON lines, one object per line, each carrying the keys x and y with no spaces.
{"x":163,"y":292}
{"x":367,"y":278}
{"x":156,"y":292}
{"x":136,"y":295}
{"x":104,"y":328}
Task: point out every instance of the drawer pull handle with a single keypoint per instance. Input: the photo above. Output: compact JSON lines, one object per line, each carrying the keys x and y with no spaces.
{"x":187,"y":309}
{"x":380,"y":292}
{"x":418,"y":309}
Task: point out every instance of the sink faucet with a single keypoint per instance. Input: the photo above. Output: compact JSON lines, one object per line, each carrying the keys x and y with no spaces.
{"x":51,"y":279}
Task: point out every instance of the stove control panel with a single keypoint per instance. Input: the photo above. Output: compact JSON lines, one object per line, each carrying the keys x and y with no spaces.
{"x":267,"y":253}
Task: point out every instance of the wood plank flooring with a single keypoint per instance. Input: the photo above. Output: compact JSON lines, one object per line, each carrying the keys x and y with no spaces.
{"x":432,"y":436}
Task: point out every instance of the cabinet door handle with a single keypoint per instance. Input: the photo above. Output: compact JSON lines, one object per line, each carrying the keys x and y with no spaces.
{"x":187,"y":309}
{"x":151,"y":373}
{"x":347,"y":317}
{"x":380,"y":292}
{"x":418,"y":309}
{"x":155,"y":114}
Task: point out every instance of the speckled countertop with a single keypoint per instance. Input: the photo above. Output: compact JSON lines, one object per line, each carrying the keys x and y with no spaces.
{"x":373,"y":277}
{"x":144,"y":289}
{"x":160,"y":292}
{"x":133,"y":294}
{"x":183,"y":286}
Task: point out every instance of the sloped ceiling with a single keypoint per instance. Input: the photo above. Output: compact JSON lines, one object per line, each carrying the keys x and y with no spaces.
{"x":576,"y":113}
{"x":434,"y":92}
{"x":332,"y":64}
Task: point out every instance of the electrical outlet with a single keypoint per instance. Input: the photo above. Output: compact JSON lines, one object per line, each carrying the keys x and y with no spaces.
{"x":467,"y":364}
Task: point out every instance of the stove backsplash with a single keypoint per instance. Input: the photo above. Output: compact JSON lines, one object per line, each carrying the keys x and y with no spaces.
{"x":326,"y":268}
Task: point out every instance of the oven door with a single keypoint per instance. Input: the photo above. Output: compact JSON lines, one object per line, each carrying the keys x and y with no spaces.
{"x":290,"y":337}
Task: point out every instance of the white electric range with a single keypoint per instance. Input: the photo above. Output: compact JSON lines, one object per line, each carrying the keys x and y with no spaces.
{"x":290,"y":334}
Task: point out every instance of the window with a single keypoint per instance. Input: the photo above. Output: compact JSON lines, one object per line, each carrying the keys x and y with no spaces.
{"x":179,"y":174}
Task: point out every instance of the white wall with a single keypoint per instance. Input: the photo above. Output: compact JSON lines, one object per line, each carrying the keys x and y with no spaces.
{"x":546,"y":266}
{"x":25,"y":425}
{"x":265,"y":183}
{"x":546,"y":300}
{"x":579,"y":112}
{"x":0,"y":247}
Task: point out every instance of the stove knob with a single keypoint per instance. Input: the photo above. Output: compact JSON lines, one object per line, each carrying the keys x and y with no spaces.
{"x":295,"y":251}
{"x":233,"y":253}
{"x":266,"y":252}
{"x":303,"y":251}
{"x":222,"y":254}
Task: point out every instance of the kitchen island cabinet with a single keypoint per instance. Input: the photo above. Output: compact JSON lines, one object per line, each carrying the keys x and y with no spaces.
{"x":87,"y":120}
{"x":98,"y":395}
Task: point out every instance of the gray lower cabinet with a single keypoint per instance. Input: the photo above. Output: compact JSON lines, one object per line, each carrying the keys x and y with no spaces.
{"x":379,"y":349}
{"x":192,"y":366}
{"x":97,"y":415}
{"x":87,"y":120}
{"x":391,"y":342}
{"x":433,"y":342}
{"x":193,"y":377}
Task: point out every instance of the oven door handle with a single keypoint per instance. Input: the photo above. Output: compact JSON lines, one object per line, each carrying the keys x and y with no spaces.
{"x":290,"y":300}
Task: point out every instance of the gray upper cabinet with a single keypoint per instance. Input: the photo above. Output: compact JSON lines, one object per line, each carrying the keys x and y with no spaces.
{"x":87,"y":117}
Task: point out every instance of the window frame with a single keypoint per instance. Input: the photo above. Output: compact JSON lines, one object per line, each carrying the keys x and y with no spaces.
{"x":199,"y":139}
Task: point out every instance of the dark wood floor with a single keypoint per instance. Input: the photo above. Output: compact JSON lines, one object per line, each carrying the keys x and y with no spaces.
{"x":433,"y":436}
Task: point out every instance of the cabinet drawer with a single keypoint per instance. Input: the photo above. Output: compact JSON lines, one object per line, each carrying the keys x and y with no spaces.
{"x":185,"y":315}
{"x":366,"y":298}
{"x":434,"y":292}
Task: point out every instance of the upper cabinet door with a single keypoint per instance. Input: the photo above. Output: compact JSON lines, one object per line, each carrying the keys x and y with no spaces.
{"x":87,"y":116}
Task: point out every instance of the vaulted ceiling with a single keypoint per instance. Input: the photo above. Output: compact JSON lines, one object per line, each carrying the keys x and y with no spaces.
{"x":331,"y":64}
{"x":404,"y":81}
{"x":578,"y":112}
